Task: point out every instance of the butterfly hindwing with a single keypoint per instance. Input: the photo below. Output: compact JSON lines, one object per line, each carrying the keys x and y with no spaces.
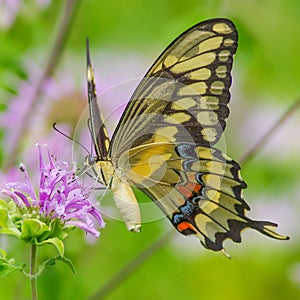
{"x":198,"y":188}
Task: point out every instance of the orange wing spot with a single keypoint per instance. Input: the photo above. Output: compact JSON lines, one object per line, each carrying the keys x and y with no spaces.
{"x":184,"y":190}
{"x":183,"y":226}
{"x":189,"y":188}
{"x":197,"y":188}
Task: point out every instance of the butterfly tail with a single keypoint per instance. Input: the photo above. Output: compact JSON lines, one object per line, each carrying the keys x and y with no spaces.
{"x":267,"y":228}
{"x":234,"y":233}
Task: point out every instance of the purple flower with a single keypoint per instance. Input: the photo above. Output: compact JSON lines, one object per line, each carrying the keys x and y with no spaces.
{"x":55,"y":97}
{"x":61,"y":197}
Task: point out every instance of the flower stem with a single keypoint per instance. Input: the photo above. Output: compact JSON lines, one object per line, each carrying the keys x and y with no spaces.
{"x":33,"y":273}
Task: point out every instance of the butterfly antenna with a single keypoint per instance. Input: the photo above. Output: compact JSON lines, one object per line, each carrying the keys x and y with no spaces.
{"x":88,"y":58}
{"x":68,"y":137}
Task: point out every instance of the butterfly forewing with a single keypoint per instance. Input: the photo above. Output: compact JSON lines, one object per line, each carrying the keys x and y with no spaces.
{"x":184,"y":95}
{"x":97,"y":128}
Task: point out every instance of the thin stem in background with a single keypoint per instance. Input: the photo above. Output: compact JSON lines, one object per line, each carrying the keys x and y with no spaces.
{"x":132,"y":265}
{"x":62,"y":33}
{"x":160,"y":242}
{"x":33,"y":278}
{"x":266,"y":137}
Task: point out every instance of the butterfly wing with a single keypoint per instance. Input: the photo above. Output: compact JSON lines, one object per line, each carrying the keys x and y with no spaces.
{"x":198,"y":188}
{"x":164,"y":142}
{"x":184,"y":95}
{"x":97,"y":128}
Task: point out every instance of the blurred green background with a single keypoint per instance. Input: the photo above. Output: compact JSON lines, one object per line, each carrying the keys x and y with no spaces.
{"x":125,"y":38}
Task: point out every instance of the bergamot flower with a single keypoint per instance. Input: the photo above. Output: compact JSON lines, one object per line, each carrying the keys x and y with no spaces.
{"x":48,"y":215}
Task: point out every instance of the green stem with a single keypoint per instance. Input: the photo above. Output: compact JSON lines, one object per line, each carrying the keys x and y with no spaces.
{"x":33,"y":273}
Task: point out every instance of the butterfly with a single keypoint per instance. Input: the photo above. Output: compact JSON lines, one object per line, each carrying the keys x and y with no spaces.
{"x":164,"y":143}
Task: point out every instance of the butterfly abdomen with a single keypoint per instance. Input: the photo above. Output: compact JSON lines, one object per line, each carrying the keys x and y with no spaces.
{"x":126,"y":203}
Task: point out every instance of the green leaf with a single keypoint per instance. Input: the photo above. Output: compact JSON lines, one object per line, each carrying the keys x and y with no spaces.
{"x":33,"y":230}
{"x":8,"y":266}
{"x":3,"y":204}
{"x":56,"y":229}
{"x":67,"y":230}
{"x":52,"y":261}
{"x":3,"y":253}
{"x":38,"y":233}
{"x":6,"y":225}
{"x":59,"y":244}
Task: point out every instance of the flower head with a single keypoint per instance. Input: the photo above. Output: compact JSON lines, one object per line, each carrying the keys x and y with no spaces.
{"x":60,"y":204}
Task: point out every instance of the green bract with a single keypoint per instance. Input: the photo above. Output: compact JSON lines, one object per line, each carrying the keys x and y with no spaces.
{"x":33,"y":231}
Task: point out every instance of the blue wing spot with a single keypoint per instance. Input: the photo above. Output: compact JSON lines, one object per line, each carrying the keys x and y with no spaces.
{"x":186,"y":151}
{"x":177,"y":219}
{"x":188,"y":208}
{"x":199,"y":178}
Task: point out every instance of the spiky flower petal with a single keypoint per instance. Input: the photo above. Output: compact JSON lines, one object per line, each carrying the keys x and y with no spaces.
{"x":60,"y":200}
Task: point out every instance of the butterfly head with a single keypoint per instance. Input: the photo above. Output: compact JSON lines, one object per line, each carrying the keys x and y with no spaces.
{"x":102,"y":170}
{"x":90,"y":161}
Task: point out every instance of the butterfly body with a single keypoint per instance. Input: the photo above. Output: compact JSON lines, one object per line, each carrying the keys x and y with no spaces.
{"x":123,"y":195}
{"x":164,"y":144}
